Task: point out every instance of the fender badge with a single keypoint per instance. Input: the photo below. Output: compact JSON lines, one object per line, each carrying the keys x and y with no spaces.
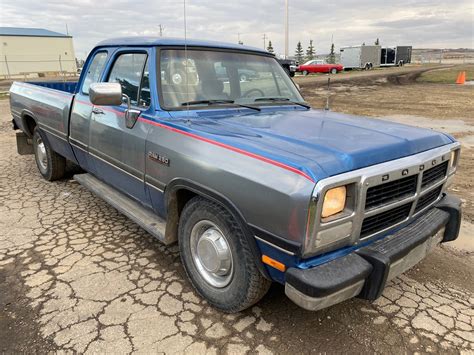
{"x":159,"y":158}
{"x":385,"y":177}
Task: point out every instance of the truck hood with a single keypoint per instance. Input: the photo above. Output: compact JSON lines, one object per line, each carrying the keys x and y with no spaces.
{"x":319,"y":143}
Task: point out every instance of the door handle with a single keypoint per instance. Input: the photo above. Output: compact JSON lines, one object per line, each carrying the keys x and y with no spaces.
{"x":97,"y":111}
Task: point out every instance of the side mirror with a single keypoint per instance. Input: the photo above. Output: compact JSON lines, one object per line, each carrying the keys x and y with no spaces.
{"x":106,"y":94}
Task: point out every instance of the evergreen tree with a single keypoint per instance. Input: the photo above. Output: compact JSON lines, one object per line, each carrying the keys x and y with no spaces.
{"x":332,"y":55}
{"x":299,"y":53}
{"x":377,"y":42}
{"x":270,"y":47}
{"x":310,"y":52}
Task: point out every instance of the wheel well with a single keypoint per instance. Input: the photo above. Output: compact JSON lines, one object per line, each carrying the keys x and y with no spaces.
{"x":29,"y":124}
{"x":176,"y":202}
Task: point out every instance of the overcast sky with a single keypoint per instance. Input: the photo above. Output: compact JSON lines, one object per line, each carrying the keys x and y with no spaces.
{"x":422,"y":23}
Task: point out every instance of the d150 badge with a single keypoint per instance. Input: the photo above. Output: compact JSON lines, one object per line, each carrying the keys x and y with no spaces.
{"x":159,"y":158}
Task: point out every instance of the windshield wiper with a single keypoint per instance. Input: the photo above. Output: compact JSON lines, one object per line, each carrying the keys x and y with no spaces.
{"x":285,"y":99}
{"x":217,"y":102}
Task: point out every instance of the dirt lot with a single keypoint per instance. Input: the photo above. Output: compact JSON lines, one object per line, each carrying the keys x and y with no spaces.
{"x":76,"y":275}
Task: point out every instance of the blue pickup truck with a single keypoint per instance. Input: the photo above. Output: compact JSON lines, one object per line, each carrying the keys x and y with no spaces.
{"x":254,"y":185}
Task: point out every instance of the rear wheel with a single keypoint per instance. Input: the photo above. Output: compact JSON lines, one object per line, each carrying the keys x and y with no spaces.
{"x":305,"y":72}
{"x":217,"y":257}
{"x":51,"y":165}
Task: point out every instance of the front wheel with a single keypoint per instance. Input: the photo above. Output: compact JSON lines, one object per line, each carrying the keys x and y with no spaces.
{"x":333,"y":71}
{"x":217,"y":257}
{"x":51,"y":165}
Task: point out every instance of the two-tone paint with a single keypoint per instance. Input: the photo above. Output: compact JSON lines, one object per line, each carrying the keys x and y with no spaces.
{"x":264,"y":166}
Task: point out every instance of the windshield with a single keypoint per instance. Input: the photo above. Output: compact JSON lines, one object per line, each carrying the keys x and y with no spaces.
{"x":222,"y":78}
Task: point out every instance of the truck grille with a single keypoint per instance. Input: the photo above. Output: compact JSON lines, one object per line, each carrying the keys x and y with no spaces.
{"x":427,"y":199}
{"x":434,"y":174}
{"x":385,"y":219}
{"x":380,"y":195}
{"x":391,"y":192}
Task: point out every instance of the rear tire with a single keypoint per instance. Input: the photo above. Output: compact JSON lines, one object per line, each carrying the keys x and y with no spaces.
{"x":217,"y":257}
{"x":51,"y":165}
{"x":305,"y":72}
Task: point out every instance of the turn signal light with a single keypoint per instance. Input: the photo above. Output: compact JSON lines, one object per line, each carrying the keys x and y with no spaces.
{"x":334,"y":201}
{"x":273,"y":263}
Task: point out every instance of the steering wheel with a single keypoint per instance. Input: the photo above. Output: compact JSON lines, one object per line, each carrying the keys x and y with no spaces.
{"x":259,"y":92}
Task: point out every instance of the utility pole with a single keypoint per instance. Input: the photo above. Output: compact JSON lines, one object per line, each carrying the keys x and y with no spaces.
{"x":264,"y":41}
{"x":238,"y":39}
{"x":162,"y":29}
{"x":67,"y":30}
{"x":286,"y":29}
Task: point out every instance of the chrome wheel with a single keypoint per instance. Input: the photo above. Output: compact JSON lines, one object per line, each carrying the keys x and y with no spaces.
{"x":41,"y":154}
{"x":211,"y":254}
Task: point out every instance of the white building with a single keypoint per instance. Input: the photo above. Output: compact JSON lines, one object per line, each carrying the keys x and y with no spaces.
{"x":35,"y":52}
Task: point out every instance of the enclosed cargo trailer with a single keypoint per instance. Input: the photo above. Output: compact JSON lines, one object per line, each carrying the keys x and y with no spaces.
{"x":360,"y":57}
{"x":399,"y":55}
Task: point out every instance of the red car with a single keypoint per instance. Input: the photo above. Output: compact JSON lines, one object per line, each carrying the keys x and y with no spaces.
{"x":319,"y":66}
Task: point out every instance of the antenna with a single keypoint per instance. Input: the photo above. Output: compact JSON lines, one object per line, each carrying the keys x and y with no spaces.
{"x":186,"y":57}
{"x":162,"y":29}
{"x":286,"y":29}
{"x":328,"y":94}
{"x":265,"y":40}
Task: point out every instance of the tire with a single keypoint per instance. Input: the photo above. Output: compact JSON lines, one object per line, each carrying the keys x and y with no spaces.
{"x":51,"y":165}
{"x":367,"y":66}
{"x":292,"y":74}
{"x":243,"y":77}
{"x":333,"y":71}
{"x":305,"y":72}
{"x":239,"y":284}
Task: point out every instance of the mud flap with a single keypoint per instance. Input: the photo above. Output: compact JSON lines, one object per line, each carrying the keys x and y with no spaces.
{"x":24,"y":145}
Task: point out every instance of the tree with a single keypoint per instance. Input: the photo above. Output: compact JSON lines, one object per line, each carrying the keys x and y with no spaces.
{"x":310,"y":52}
{"x":299,"y":53}
{"x":377,"y":42}
{"x":270,"y":47}
{"x":332,"y":55}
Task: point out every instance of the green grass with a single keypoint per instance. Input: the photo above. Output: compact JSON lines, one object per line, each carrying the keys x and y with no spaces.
{"x":449,"y":75}
{"x":4,"y":95}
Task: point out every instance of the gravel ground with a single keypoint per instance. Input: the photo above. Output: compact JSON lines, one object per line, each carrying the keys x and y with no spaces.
{"x":77,"y":275}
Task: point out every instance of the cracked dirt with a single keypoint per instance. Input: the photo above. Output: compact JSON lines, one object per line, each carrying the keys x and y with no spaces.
{"x":77,"y":275}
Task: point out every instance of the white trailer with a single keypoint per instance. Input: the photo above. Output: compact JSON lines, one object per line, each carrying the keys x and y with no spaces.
{"x":360,"y":57}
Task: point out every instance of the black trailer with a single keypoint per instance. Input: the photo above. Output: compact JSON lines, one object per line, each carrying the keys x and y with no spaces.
{"x":392,"y":56}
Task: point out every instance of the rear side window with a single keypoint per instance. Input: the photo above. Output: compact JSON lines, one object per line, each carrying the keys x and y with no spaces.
{"x":128,"y":71}
{"x":93,"y":72}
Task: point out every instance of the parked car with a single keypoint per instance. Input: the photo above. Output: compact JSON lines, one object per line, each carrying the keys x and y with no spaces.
{"x":319,"y":66}
{"x":253,"y":184}
{"x":244,"y":74}
{"x":289,"y":65}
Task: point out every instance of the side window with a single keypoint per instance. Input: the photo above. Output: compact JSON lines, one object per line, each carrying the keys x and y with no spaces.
{"x":94,"y":71}
{"x":144,"y":98}
{"x":127,"y":71}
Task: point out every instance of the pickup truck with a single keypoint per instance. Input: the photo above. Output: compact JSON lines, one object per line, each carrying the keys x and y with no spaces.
{"x":253,"y":184}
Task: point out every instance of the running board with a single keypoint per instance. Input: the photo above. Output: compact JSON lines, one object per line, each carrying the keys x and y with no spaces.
{"x":142,"y":216}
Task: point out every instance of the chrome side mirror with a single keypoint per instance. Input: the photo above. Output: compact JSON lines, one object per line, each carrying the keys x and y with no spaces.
{"x":106,"y":94}
{"x":131,"y":115}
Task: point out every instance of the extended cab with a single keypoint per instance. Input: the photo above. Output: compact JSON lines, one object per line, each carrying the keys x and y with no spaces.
{"x":253,"y":184}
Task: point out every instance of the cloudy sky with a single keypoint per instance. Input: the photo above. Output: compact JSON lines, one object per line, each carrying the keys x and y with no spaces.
{"x":421,"y":23}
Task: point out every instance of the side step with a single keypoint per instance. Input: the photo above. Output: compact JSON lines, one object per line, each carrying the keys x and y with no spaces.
{"x":145,"y":218}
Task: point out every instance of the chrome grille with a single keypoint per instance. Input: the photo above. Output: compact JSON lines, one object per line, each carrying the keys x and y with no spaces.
{"x":391,"y":191}
{"x":427,"y":199}
{"x":434,"y":174}
{"x":382,"y":220}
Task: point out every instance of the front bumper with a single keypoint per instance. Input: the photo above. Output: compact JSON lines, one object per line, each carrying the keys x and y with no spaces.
{"x":365,"y":272}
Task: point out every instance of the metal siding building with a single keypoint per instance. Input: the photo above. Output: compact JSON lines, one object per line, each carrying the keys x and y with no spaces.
{"x":35,"y":51}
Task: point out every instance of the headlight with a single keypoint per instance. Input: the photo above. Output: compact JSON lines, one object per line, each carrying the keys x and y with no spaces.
{"x":334,"y":201}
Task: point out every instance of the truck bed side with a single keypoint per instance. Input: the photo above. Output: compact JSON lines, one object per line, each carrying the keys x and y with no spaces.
{"x":46,"y":105}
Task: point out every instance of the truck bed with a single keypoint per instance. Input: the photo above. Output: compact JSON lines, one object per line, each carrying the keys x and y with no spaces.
{"x":49,"y":105}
